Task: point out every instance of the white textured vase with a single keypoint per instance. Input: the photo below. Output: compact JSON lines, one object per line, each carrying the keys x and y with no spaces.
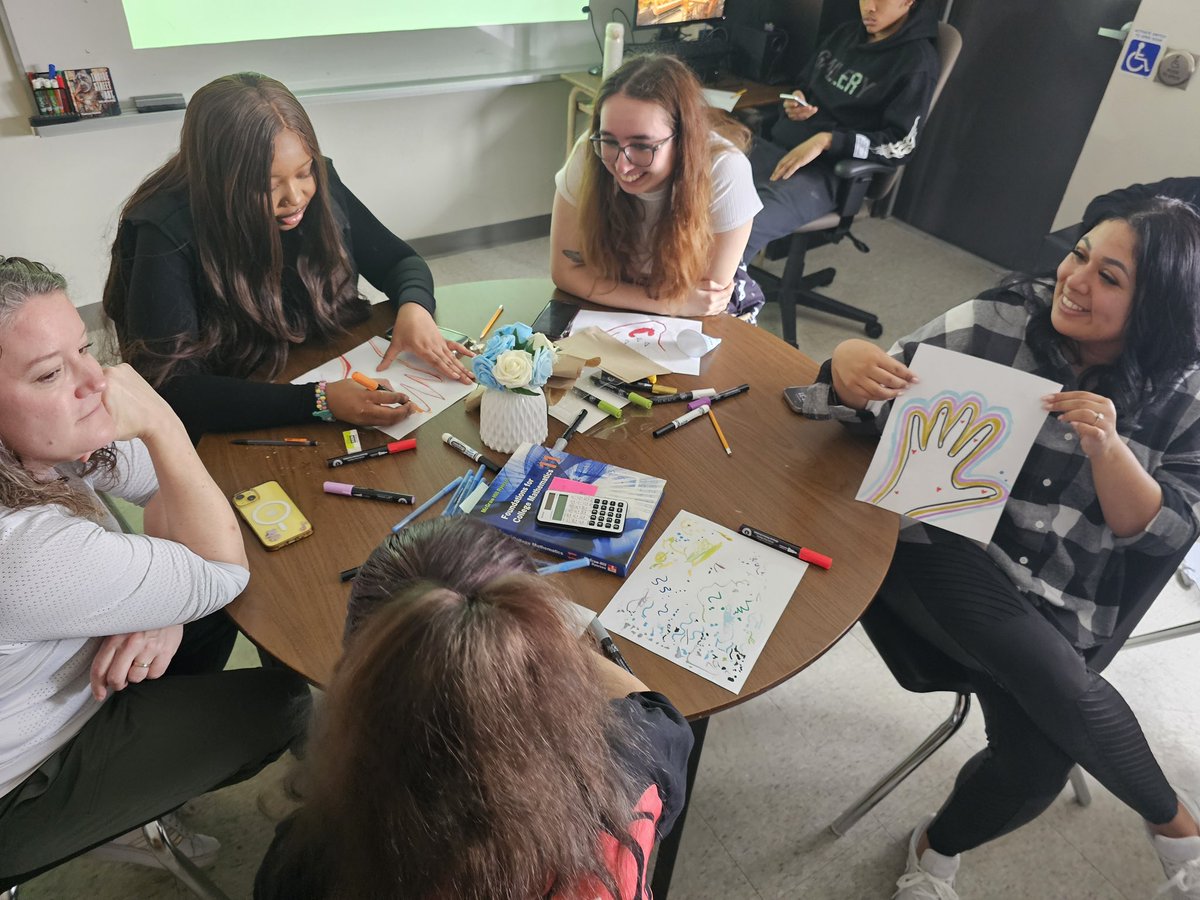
{"x":508,"y":420}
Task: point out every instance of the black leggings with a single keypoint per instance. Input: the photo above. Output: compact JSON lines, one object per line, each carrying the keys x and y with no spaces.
{"x":1045,"y":710}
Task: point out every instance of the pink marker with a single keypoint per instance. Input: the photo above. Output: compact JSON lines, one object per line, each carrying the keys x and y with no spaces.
{"x":350,"y":490}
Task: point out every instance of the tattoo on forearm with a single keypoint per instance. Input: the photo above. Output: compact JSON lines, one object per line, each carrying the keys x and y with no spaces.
{"x":574,"y":256}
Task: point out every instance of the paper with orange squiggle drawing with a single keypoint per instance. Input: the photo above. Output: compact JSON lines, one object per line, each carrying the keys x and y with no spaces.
{"x":955,"y":442}
{"x":429,"y":391}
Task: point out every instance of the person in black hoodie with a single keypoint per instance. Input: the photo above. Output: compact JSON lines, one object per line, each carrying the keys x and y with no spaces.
{"x":1106,"y":205}
{"x":864,"y":94}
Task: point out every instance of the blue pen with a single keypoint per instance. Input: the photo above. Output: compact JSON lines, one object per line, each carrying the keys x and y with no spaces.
{"x":428,"y":503}
{"x":457,"y":496}
{"x":469,"y":490}
{"x":567,"y":566}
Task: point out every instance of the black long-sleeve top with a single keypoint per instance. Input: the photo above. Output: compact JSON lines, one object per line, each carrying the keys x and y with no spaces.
{"x":165,"y":298}
{"x":1184,"y":188}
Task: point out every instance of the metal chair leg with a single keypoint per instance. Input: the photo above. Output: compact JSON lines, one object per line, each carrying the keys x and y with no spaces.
{"x":1083,"y":793}
{"x":890,"y":781}
{"x":1165,"y":634}
{"x":176,"y":862}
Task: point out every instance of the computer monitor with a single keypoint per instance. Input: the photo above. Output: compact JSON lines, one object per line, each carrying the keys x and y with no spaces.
{"x":652,"y":13}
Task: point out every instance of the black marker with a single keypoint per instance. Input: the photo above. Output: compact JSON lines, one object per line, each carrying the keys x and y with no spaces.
{"x":801,"y":553}
{"x":348,"y":574}
{"x":634,"y":398}
{"x":381,"y":450}
{"x":602,"y":405}
{"x":353,"y":490}
{"x":688,"y":416}
{"x":561,"y":443}
{"x":685,"y":396}
{"x":732,"y":392}
{"x":604,"y":639}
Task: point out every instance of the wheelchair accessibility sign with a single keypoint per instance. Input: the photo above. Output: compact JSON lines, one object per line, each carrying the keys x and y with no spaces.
{"x":1141,"y":52}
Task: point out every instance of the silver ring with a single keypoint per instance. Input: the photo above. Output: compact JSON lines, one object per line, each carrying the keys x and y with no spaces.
{"x":1099,"y":417}
{"x":142,"y":665}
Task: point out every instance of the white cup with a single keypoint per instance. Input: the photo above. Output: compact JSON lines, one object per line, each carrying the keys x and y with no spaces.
{"x":695,"y":343}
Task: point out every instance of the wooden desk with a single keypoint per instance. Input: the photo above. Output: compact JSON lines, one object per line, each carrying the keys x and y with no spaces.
{"x":585,"y":86}
{"x":787,"y":476}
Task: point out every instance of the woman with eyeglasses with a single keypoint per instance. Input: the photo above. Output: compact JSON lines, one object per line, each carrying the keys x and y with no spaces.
{"x":245,"y":243}
{"x":654,"y":206}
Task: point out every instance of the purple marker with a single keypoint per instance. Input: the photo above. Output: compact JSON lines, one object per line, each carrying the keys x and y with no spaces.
{"x":350,"y":490}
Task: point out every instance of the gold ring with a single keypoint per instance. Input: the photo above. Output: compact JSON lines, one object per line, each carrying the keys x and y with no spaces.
{"x":142,"y":665}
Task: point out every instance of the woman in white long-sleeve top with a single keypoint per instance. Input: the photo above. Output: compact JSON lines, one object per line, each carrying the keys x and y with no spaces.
{"x":113,"y":706}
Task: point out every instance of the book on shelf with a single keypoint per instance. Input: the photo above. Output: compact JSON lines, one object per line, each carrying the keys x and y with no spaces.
{"x":511,"y":505}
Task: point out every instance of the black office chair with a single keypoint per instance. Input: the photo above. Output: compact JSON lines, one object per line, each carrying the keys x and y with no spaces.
{"x":865,"y":189}
{"x":920,"y":667}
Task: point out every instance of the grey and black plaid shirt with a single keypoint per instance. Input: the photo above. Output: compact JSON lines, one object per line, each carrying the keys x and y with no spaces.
{"x":1052,"y":540}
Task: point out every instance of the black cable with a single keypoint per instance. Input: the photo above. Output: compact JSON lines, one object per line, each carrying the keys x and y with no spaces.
{"x":592,"y":22}
{"x":628,"y":24}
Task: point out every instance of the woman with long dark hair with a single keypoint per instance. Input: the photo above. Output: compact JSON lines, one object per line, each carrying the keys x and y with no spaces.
{"x":653,"y":207}
{"x":1115,"y":468}
{"x":471,"y":746}
{"x":115,"y":707}
{"x":245,"y":243}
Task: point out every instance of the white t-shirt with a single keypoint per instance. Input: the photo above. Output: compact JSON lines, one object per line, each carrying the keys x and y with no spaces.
{"x":69,"y":582}
{"x":734,"y":199}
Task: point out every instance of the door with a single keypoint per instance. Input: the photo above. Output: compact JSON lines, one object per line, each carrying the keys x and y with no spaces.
{"x":1001,"y":145}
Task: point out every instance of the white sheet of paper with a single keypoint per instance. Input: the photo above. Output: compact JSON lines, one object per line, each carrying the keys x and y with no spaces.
{"x":425,"y":386}
{"x":955,"y":442}
{"x":566,"y":409}
{"x":725,"y":100}
{"x":650,"y":335}
{"x":706,"y":598}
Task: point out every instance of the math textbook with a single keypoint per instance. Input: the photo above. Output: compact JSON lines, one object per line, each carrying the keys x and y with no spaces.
{"x":511,"y":504}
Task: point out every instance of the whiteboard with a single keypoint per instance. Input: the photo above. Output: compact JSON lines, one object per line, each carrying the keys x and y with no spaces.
{"x":84,"y":33}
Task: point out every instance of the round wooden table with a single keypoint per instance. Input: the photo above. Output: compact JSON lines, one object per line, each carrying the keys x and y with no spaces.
{"x":787,"y":476}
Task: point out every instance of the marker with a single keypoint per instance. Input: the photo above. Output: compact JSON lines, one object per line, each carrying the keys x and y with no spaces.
{"x":453,"y":485}
{"x":455,"y":498}
{"x":801,"y":553}
{"x":348,"y":574}
{"x":635,"y":399}
{"x":604,"y":639}
{"x":469,"y":452}
{"x":794,"y":99}
{"x":645,"y":385}
{"x":561,"y":443}
{"x":571,"y":564}
{"x":732,"y":392}
{"x":381,"y":450}
{"x":686,"y":395}
{"x":690,"y":415}
{"x":367,"y":381}
{"x":351,"y":490}
{"x":491,"y":322}
{"x":286,"y":442}
{"x":602,"y":405}
{"x":712,"y":417}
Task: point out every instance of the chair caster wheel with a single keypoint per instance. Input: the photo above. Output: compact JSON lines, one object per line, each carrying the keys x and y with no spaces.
{"x":873,"y":329}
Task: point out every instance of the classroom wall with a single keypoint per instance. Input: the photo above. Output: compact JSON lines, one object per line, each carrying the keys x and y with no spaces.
{"x":425,"y":165}
{"x":1143,"y":131}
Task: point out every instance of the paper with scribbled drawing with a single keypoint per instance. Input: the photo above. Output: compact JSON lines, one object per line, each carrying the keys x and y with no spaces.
{"x":429,"y":390}
{"x":652,"y":336}
{"x":706,"y":598}
{"x":955,"y":442}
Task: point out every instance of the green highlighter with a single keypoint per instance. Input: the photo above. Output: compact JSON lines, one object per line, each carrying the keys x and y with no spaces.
{"x":602,"y":405}
{"x":633,"y":397}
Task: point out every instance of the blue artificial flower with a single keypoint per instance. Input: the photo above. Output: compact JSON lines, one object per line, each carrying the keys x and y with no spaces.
{"x":543,"y":367}
{"x":498,"y":343}
{"x":481,"y":365}
{"x":521,"y":332}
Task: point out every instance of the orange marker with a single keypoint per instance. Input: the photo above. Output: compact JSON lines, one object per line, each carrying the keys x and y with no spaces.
{"x":367,"y":381}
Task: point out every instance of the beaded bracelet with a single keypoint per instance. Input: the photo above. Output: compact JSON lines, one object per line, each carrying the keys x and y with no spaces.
{"x":322,"y":412}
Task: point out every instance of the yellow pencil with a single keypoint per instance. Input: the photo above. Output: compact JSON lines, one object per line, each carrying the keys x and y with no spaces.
{"x":712,"y":417}
{"x":491,"y":322}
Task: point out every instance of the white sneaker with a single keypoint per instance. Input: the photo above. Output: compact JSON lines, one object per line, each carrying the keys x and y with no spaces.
{"x":132,"y":847}
{"x":932,"y":876}
{"x":1180,"y":859}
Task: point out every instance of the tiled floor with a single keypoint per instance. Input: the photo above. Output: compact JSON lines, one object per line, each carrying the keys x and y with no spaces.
{"x":778,"y":769}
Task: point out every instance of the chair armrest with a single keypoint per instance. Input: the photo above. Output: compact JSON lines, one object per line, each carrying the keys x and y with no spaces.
{"x":859,"y":168}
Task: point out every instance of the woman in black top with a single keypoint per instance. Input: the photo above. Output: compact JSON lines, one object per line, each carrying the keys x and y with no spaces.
{"x":470,"y":746}
{"x":245,"y":243}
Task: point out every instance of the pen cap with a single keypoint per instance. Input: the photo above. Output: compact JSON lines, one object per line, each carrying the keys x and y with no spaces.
{"x":406,"y":444}
{"x":815,"y":558}
{"x":702,"y":401}
{"x":336,"y":487}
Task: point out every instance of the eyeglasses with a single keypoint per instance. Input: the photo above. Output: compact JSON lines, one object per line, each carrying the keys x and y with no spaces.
{"x":640,"y":155}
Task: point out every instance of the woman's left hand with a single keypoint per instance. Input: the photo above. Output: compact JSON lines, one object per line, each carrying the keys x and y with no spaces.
{"x":416,"y":332}
{"x":125,"y":659}
{"x":1093,"y":417}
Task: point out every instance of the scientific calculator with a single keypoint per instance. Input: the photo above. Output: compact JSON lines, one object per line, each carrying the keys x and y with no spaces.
{"x":580,"y":512}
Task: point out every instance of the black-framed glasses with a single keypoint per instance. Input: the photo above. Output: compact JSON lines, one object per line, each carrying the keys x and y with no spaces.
{"x":638,"y":154}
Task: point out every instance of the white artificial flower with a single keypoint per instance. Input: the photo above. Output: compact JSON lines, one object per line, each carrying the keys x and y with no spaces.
{"x":513,"y":368}
{"x":539,"y":341}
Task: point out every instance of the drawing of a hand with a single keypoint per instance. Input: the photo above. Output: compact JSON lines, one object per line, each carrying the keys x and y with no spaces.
{"x":937,"y":451}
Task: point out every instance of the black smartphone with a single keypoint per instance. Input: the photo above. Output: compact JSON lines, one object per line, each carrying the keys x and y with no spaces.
{"x":555,"y":319}
{"x":795,"y":398}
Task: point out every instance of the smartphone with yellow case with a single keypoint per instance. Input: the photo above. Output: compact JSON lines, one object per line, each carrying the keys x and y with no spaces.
{"x":272,"y":515}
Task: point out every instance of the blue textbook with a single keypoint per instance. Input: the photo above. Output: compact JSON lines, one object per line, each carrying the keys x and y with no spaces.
{"x":511,"y":505}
